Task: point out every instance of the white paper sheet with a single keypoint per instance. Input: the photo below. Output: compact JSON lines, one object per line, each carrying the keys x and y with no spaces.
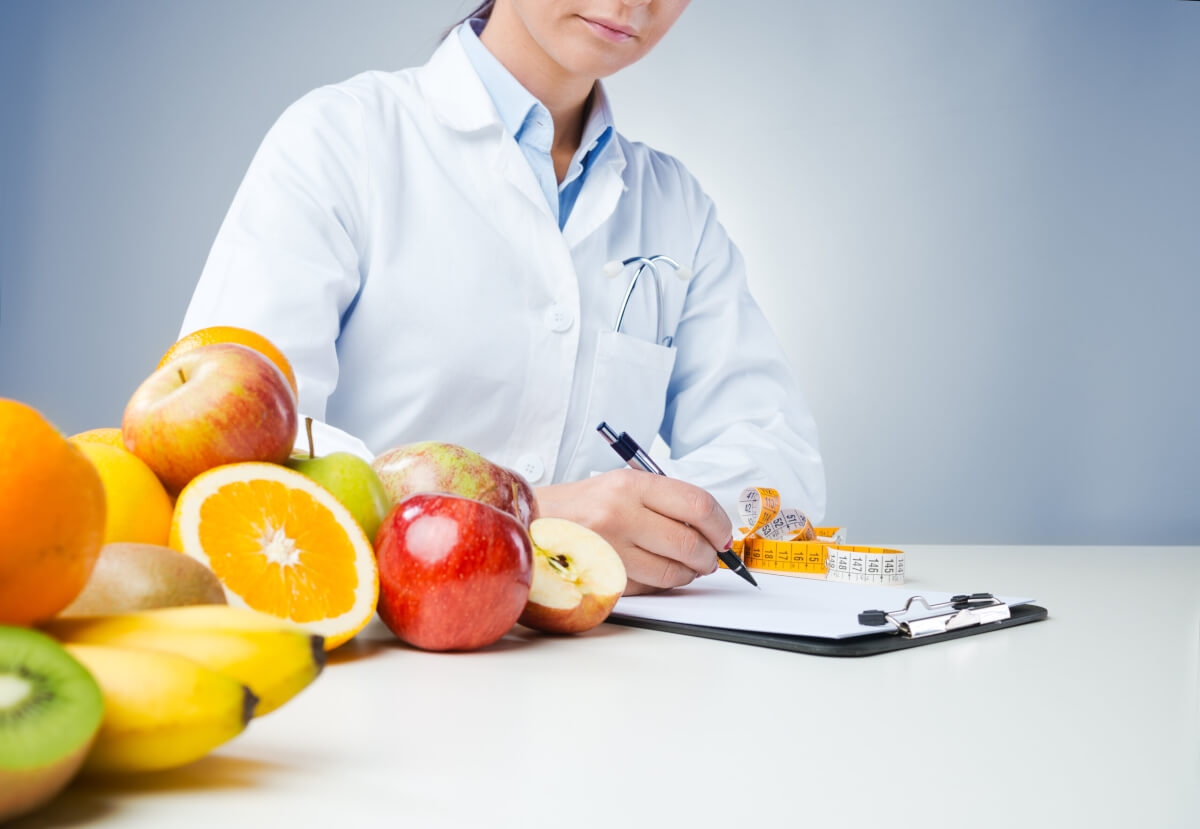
{"x":795,"y":606}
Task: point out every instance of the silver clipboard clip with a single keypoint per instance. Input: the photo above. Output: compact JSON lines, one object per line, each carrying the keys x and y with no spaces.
{"x":959,"y":612}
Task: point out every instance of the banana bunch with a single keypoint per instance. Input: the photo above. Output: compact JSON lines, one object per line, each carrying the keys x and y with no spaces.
{"x":178,"y":682}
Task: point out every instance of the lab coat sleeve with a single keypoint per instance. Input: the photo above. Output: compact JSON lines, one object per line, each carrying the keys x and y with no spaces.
{"x":287,"y":259}
{"x":735,"y":415}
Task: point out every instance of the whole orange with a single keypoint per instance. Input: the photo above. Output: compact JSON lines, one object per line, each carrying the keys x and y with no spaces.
{"x":109,"y":435}
{"x":232,"y":334}
{"x":137,"y":507}
{"x":51,"y":517}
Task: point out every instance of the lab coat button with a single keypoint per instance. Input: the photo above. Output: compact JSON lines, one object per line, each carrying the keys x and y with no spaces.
{"x":559,"y":318}
{"x":530,"y":466}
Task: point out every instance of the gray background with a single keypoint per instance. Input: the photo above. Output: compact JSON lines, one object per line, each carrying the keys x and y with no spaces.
{"x":973,"y":225}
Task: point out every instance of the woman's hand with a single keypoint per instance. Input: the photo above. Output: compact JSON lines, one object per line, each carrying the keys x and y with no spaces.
{"x":646,"y":517}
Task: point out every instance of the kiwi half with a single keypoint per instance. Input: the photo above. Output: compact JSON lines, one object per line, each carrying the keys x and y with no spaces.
{"x":50,"y":709}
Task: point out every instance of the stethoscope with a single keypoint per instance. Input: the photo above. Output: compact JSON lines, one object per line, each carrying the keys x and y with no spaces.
{"x":615,"y":268}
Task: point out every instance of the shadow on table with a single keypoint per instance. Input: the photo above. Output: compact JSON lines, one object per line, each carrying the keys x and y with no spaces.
{"x":87,"y":801}
{"x":377,"y":639}
{"x":71,"y":808}
{"x":356,"y":649}
{"x":599,"y":632}
{"x":515,"y":640}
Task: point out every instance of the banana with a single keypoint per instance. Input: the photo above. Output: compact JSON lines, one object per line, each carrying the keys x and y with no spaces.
{"x":160,"y":710}
{"x":273,"y":658}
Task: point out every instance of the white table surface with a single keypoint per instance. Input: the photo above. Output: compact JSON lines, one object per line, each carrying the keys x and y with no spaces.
{"x":1089,"y":719}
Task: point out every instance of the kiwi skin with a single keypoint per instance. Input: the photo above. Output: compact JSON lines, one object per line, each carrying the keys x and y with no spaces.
{"x":129,"y":577}
{"x":44,"y":736}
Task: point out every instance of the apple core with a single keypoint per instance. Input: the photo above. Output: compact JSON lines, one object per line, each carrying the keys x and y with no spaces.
{"x":562,"y":565}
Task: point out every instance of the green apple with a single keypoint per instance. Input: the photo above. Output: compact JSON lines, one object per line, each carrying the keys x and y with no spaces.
{"x":351,"y":480}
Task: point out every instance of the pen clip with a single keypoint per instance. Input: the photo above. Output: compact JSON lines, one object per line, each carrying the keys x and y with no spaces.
{"x":641,"y":454}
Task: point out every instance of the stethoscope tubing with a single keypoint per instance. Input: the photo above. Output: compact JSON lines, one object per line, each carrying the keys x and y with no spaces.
{"x":651,"y":263}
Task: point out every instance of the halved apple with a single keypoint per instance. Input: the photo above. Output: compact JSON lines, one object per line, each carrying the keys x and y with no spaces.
{"x":577,"y":577}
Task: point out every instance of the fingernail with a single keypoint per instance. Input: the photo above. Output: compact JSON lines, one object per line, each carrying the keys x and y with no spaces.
{"x":728,"y":544}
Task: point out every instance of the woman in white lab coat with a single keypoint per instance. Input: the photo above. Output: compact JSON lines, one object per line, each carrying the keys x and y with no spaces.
{"x":428,"y":246}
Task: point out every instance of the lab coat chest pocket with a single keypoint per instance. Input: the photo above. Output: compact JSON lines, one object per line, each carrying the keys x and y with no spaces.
{"x":629,"y":385}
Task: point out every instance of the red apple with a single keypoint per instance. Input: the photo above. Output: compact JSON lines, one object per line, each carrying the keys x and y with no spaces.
{"x":430,"y":466}
{"x":577,"y":577}
{"x":454,"y":573}
{"x":216,"y":404}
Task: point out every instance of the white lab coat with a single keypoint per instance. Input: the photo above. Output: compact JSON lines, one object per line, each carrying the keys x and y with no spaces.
{"x":392,"y":240}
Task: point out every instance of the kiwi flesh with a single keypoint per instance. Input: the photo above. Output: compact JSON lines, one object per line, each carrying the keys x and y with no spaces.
{"x":50,"y":710}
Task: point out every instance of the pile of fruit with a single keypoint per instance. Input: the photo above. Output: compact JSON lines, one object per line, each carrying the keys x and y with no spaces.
{"x":163,"y":583}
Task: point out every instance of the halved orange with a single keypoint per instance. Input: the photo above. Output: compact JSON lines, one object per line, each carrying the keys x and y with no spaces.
{"x":282,"y":544}
{"x":232,"y":334}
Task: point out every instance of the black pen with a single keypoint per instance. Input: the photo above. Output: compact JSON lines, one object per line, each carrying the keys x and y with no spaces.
{"x":637,"y":457}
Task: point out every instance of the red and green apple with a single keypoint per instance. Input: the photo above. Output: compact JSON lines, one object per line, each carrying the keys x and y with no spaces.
{"x":216,"y":404}
{"x":430,"y":466}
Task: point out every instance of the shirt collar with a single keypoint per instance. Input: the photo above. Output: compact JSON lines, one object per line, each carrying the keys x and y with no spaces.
{"x":515,"y":104}
{"x":599,"y":125}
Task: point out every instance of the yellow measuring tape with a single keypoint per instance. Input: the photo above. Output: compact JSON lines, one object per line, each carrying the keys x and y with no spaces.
{"x":784,"y":541}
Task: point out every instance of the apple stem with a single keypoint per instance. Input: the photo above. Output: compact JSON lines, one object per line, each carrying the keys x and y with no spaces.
{"x":308,"y":429}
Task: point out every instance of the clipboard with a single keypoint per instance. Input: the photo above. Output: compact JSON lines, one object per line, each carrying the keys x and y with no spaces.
{"x":823,"y":618}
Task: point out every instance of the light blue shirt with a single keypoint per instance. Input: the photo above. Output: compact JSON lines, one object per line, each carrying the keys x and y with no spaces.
{"x":527,"y":119}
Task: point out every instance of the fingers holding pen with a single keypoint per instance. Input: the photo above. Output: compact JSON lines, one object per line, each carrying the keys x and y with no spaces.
{"x":685,"y":503}
{"x":675,"y":542}
{"x":672,"y":537}
{"x":649,"y":572}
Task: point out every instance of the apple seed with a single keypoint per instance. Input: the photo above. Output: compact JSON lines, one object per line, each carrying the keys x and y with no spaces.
{"x":560,"y":563}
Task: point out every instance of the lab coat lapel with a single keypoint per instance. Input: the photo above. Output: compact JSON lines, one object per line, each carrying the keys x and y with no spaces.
{"x":452,"y":90}
{"x":515,"y":169}
{"x":602,"y":189}
{"x":460,"y":101}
